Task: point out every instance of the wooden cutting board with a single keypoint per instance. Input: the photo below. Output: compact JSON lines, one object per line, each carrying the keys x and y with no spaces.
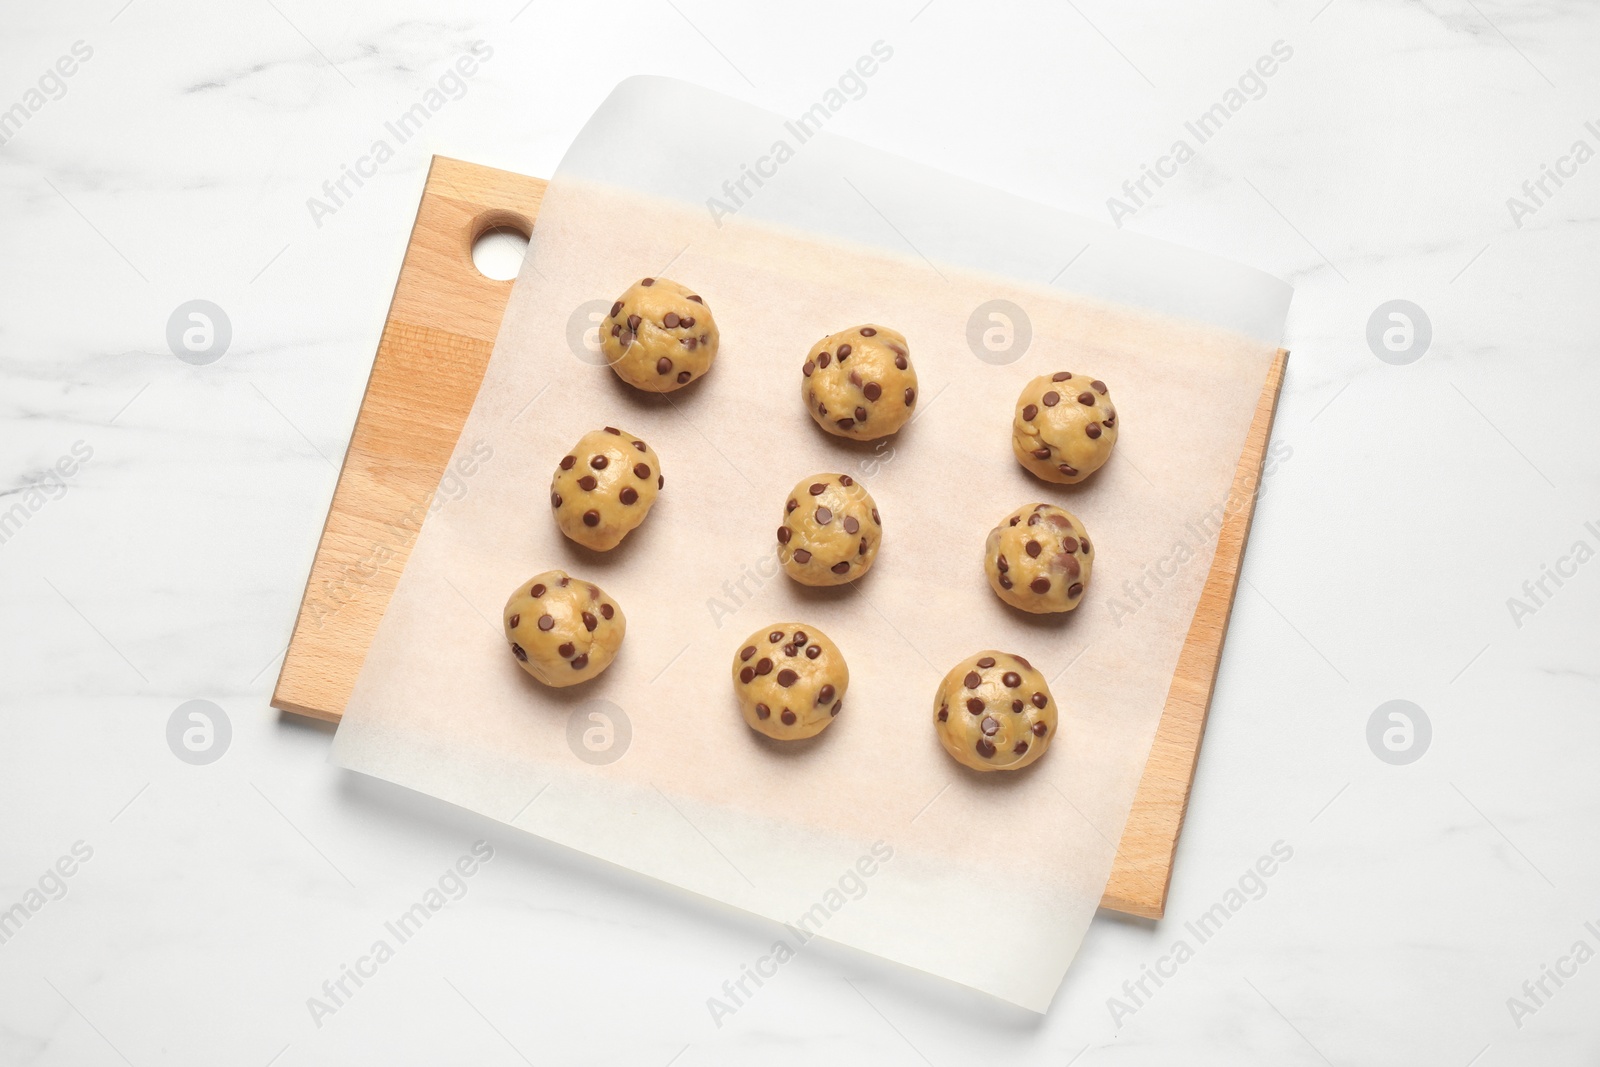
{"x":436,"y":342}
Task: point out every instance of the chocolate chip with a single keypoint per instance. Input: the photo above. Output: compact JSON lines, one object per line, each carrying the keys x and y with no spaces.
{"x":686,"y":323}
{"x":837,"y":704}
{"x":990,"y":725}
{"x":763,"y":712}
{"x":565,"y":581}
{"x":851,"y":525}
{"x":1033,"y":520}
{"x":844,"y":353}
{"x":1061,"y":376}
{"x":567,"y":462}
{"x":547,"y":622}
{"x":790,"y":649}
{"x":607,"y":611}
{"x":670,"y":321}
{"x":1005,"y":582}
{"x":696,"y":299}
{"x":616,"y":330}
{"x":587,"y":483}
{"x":599,"y":463}
{"x":690,"y":343}
{"x":975,"y":706}
{"x":590,"y":622}
{"x":875,"y":517}
{"x":594,"y":592}
{"x":846,"y":424}
{"x":683,"y":377}
{"x":566,"y":649}
{"x":813,"y":652}
{"x":985,"y":749}
{"x":763,"y":665}
{"x":786,"y":678}
{"x":911,"y":397}
{"x":817,"y":488}
{"x":1040,"y":585}
{"x":615,"y":308}
{"x":775,"y":636}
{"x":1067,"y":469}
{"x":580,"y":662}
{"x":1034,"y":548}
{"x":800,"y":638}
{"x":972,"y":680}
{"x":802,"y":556}
{"x":746,"y":652}
{"x":661,"y":481}
{"x":1052,"y":398}
{"x":628,"y":495}
{"x":787,"y":717}
{"x":640,"y":445}
{"x":824,"y":516}
{"x":591,"y":517}
{"x":1011,"y":679}
{"x":822,"y":409}
{"x":900,"y":362}
{"x":633,"y":322}
{"x":1040,"y":700}
{"x":517,"y":651}
{"x":944,"y":714}
{"x":1016,"y":706}
{"x":647,"y":281}
{"x":1030,"y":412}
{"x":862,"y":551}
{"x":1070,"y":564}
{"x":861,"y":414}
{"x":1023,"y":662}
{"x":1069,"y":544}
{"x":555,"y":500}
{"x":1015,"y":519}
{"x":846,"y":480}
{"x":872,"y":390}
{"x":842,"y":567}
{"x":825,"y":694}
{"x":514,"y":621}
{"x":824,"y":359}
{"x":537,"y":590}
{"x":1098,"y":386}
{"x":1042,"y":453}
{"x":1075,"y":589}
{"x":986,"y":662}
{"x":783,"y":535}
{"x":663,"y":365}
{"x":747,"y":675}
{"x":1086,"y":399}
{"x":1020,"y":747}
{"x":1093,"y":430}
{"x":790,"y":506}
{"x":868,"y":331}
{"x":625,"y":338}
{"x":1040,"y":729}
{"x":808,"y":368}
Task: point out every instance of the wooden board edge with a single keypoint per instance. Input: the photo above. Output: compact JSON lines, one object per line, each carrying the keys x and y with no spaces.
{"x":1141,"y":875}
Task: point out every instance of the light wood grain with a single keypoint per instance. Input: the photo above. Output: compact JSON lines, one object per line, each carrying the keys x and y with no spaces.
{"x":431,"y":358}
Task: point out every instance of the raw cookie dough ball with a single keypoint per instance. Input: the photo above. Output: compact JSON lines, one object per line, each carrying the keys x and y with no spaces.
{"x":659,"y":336}
{"x":830,"y":530}
{"x":604,"y":487}
{"x":563,"y":631}
{"x":993,"y":712}
{"x":1038,"y":559}
{"x":859,"y":383}
{"x":790,"y":680}
{"x":1065,"y":427}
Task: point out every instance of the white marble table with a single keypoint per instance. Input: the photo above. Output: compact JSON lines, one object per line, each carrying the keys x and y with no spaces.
{"x":168,"y":513}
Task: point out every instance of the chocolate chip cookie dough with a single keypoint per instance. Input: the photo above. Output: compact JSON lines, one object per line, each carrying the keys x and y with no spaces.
{"x":830,"y":532}
{"x":659,"y":336}
{"x":563,"y":631}
{"x":604,"y":487}
{"x":859,"y":383}
{"x":993,"y":712}
{"x":1038,"y":559}
{"x":790,"y":680}
{"x":1064,"y":427}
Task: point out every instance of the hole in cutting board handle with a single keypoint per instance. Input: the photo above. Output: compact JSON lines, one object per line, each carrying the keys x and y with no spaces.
{"x":500,"y":244}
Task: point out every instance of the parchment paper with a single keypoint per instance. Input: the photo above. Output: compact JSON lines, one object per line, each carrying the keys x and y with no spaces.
{"x":870,"y":835}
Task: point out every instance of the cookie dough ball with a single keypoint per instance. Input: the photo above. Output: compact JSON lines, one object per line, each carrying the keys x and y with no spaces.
{"x":790,"y":680}
{"x":1064,"y":427}
{"x":830,"y":530}
{"x":993,"y":712}
{"x":659,"y":336}
{"x":563,"y":631}
{"x":1038,"y":559}
{"x":604,"y":487}
{"x":859,"y":383}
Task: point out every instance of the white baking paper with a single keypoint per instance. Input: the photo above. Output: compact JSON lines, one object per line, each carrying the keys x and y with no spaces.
{"x":869,"y":835}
